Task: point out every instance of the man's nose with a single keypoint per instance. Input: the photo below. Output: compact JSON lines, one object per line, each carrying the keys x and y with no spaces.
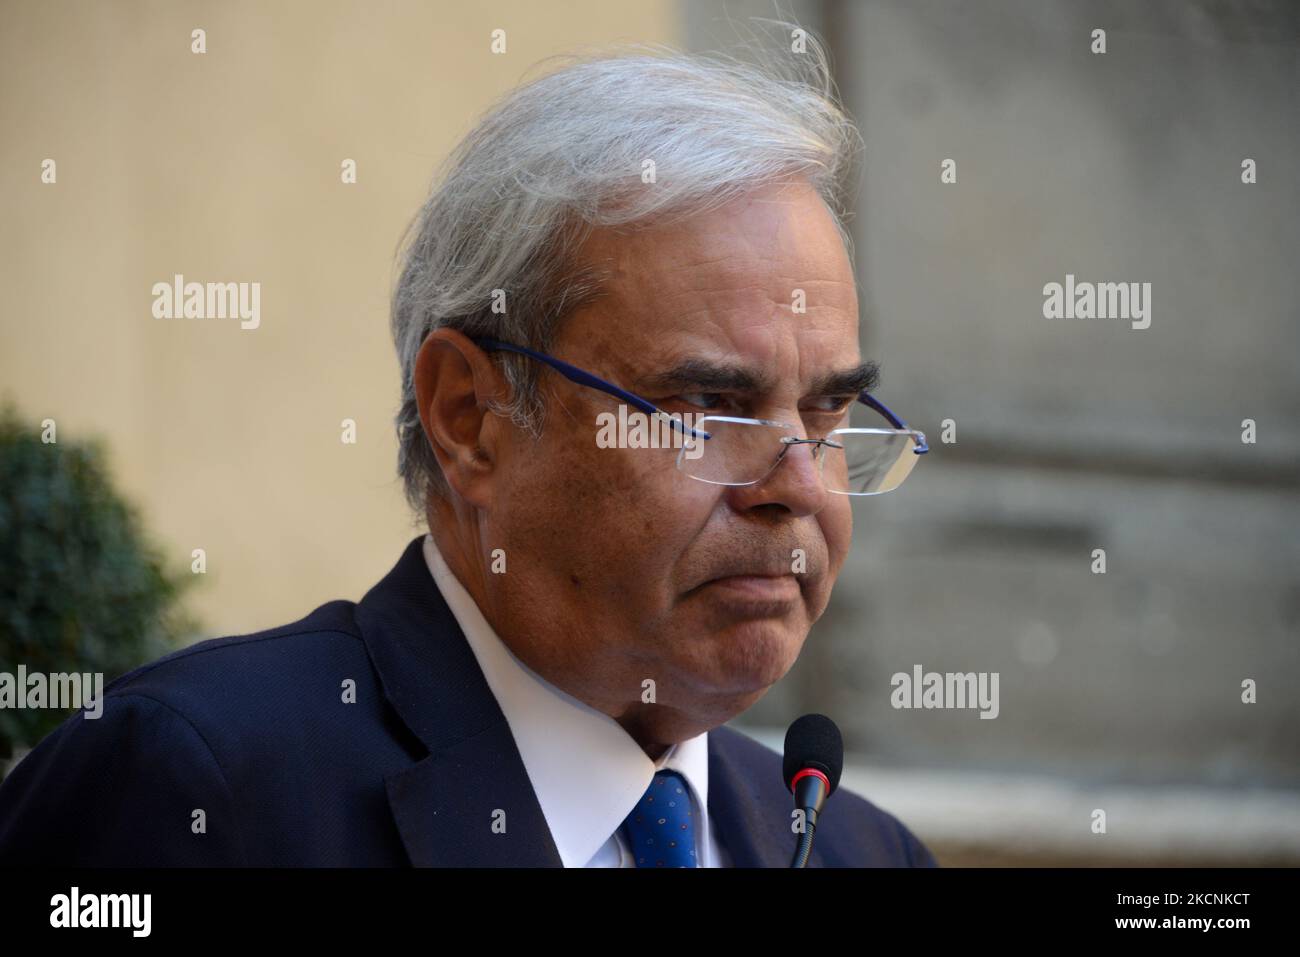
{"x":795,"y":483}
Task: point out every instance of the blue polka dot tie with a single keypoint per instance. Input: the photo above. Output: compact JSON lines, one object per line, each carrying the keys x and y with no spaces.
{"x":661,"y":828}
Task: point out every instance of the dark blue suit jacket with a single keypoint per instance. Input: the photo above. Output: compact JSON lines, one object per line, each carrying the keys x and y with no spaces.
{"x":254,"y":731}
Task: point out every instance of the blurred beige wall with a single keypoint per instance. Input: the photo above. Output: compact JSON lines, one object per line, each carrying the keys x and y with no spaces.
{"x":225,"y":167}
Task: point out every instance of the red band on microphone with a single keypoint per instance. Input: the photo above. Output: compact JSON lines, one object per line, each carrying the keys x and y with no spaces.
{"x":807,"y":771}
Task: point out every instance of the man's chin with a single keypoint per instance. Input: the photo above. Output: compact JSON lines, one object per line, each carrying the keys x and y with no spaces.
{"x":746,"y":657}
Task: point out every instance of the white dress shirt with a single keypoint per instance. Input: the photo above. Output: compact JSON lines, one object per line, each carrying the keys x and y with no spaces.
{"x":587,"y":772}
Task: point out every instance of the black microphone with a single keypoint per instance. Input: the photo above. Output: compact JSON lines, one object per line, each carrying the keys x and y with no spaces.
{"x":814,"y":758}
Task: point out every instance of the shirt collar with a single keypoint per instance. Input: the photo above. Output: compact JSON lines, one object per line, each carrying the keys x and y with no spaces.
{"x":588,"y":773}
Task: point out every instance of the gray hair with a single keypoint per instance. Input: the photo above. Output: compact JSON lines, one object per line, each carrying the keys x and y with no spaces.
{"x":564,"y":154}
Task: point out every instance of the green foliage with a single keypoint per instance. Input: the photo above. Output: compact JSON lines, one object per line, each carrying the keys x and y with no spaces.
{"x":81,"y":590}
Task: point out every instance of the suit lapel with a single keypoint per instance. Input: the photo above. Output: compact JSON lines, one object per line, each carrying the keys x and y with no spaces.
{"x":751,"y":824}
{"x":468,"y":801}
{"x":471,"y":805}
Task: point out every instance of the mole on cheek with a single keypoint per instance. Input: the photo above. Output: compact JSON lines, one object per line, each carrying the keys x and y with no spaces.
{"x":577,"y":582}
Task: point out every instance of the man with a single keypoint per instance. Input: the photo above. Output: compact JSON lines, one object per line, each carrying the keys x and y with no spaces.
{"x":543,"y":679}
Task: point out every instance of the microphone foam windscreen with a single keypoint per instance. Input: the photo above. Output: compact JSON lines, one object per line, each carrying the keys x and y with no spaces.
{"x":813,"y":741}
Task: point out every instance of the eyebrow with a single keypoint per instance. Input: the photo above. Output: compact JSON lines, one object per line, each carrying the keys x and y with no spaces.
{"x":863,"y":377}
{"x":707,"y":375}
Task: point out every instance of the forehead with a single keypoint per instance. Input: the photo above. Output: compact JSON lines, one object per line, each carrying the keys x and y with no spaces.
{"x":763,"y":281}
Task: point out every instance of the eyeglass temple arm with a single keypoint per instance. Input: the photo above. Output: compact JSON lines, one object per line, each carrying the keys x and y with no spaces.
{"x":574,"y":374}
{"x":870,"y":400}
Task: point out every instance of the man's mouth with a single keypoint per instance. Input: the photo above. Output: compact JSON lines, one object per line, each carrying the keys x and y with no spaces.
{"x":767,"y":588}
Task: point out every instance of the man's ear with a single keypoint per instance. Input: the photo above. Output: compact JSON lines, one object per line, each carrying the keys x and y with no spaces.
{"x":454,"y":383}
